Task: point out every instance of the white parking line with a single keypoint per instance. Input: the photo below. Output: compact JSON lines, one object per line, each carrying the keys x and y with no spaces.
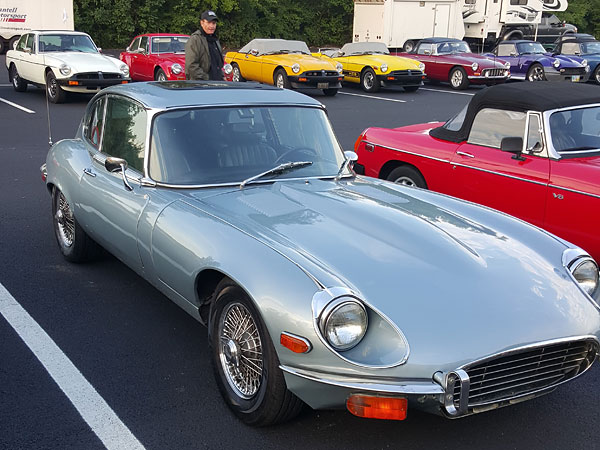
{"x":22,"y":108}
{"x":446,"y":92}
{"x":95,"y":411}
{"x":5,"y":85}
{"x":376,"y":98}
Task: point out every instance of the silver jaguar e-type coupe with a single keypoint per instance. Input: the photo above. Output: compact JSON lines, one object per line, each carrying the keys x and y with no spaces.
{"x":318,"y":286}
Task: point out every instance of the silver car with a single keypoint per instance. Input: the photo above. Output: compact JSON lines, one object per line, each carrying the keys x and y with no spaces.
{"x":318,"y":286}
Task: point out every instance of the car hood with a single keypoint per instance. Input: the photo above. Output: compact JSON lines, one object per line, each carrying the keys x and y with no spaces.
{"x":469,"y":58}
{"x":84,"y":62}
{"x":427,"y":261}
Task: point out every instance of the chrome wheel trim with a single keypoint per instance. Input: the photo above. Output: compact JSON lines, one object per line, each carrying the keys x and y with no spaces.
{"x":406,"y":181}
{"x":537,"y":74}
{"x":457,"y":78}
{"x":597,"y":75}
{"x":65,"y":222}
{"x":236,"y":73}
{"x":15,"y":77}
{"x":369,"y":80}
{"x":240,"y":350}
{"x":280,"y":83}
{"x":161,"y":77}
{"x":52,"y":87}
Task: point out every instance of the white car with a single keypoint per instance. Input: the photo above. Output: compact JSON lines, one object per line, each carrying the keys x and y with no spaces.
{"x":62,"y":61}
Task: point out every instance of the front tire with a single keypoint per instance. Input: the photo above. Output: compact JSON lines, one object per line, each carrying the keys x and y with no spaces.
{"x":280,"y":79}
{"x":160,"y":75}
{"x":237,"y":73}
{"x":536,"y":73}
{"x":18,"y":83}
{"x":330,"y":92}
{"x":458,"y":79}
{"x":73,"y":242}
{"x":245,"y":362}
{"x":56,"y":94}
{"x":407,"y":176}
{"x":369,"y":81}
{"x":596,"y":75}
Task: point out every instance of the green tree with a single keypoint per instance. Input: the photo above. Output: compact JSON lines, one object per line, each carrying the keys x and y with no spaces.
{"x":584,"y":14}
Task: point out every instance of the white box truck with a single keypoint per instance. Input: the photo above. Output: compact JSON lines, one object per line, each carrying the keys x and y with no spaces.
{"x":400,"y":24}
{"x":20,"y":16}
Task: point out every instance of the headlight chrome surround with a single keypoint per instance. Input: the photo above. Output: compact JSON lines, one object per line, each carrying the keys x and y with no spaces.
{"x":583,"y":269}
{"x":422,"y":67}
{"x":124,"y":68}
{"x":296,"y":68}
{"x":339,"y":67}
{"x":474,"y":66}
{"x":556,"y":63}
{"x":384,"y":68}
{"x":227,"y":69}
{"x":176,"y":69}
{"x":343,"y":323}
{"x":64,"y":69}
{"x":507,"y":65}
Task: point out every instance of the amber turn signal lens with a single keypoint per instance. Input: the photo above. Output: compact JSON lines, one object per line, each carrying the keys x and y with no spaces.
{"x":390,"y":78}
{"x":73,"y":83}
{"x":295,"y":343}
{"x":302,"y":79}
{"x":370,"y":407}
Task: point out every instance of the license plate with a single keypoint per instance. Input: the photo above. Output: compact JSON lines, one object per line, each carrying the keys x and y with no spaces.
{"x":322,"y":85}
{"x":575,"y":78}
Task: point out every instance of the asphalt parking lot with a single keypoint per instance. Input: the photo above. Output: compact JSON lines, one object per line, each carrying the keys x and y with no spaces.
{"x":145,"y":360}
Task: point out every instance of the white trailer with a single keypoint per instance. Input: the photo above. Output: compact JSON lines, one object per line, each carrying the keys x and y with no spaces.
{"x":401,"y":23}
{"x":20,"y":16}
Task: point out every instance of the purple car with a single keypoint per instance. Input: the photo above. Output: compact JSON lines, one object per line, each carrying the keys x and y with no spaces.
{"x":530,"y":61}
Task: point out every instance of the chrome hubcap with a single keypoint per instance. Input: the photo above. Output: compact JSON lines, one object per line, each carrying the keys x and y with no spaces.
{"x":240,"y":350}
{"x":368,"y":80}
{"x":236,"y":74}
{"x":162,"y":77}
{"x":457,"y":78}
{"x":52,"y":88}
{"x":65,"y":223}
{"x":537,"y":74}
{"x":406,"y":181}
{"x":280,"y":81}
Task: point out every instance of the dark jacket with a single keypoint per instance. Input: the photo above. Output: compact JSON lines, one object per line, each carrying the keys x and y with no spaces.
{"x":197,"y":57}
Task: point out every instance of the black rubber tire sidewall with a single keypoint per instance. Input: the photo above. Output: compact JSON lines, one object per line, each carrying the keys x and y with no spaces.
{"x":60,"y":93}
{"x":363,"y":75}
{"x":20,"y":85}
{"x":408,"y":172}
{"x":330,"y":92}
{"x":286,"y":82}
{"x":158,"y":73}
{"x":465,"y":81}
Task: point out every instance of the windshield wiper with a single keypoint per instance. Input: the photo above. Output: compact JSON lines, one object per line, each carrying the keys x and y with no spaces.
{"x":276,"y":170}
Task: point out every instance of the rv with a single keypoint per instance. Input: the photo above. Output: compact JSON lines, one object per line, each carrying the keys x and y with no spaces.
{"x":20,"y":16}
{"x":401,"y":24}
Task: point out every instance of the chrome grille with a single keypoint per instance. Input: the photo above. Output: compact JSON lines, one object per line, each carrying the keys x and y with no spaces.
{"x":97,"y":76}
{"x":321,"y":73}
{"x":405,"y":73}
{"x":494,"y":72}
{"x":524,"y":372}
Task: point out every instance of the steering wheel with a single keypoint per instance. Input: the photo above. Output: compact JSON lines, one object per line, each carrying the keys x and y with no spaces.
{"x":311,"y":152}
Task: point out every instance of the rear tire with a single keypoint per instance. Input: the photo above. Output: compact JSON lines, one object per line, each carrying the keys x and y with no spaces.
{"x":245,"y":362}
{"x":369,"y":81}
{"x":55,"y":93}
{"x":409,"y":46}
{"x":330,"y":92}
{"x":18,"y":83}
{"x":407,"y":176}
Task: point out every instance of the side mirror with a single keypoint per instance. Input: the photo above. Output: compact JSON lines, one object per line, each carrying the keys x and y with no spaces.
{"x":99,"y":49}
{"x":128,"y":49}
{"x":27,"y":50}
{"x":513,"y":53}
{"x":114,"y":165}
{"x":254,"y":52}
{"x":513,"y":145}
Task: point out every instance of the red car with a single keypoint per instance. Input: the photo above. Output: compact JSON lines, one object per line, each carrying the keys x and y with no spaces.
{"x":451,"y":60}
{"x":531,"y":150}
{"x":160,"y":57}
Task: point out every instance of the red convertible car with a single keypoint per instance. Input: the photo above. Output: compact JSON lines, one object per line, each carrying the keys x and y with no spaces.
{"x":451,"y":60}
{"x":158,"y":57}
{"x":531,"y":150}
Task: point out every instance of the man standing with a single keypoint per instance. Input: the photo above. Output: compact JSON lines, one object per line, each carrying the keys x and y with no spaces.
{"x":203,"y":55}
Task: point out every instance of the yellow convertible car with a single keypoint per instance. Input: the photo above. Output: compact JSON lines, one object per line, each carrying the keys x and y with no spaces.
{"x":371,"y":65}
{"x":285,"y":64}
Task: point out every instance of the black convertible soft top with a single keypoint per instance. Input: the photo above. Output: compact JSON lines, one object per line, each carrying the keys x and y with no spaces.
{"x":525,"y":96}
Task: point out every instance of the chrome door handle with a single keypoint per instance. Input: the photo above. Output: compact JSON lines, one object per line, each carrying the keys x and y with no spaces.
{"x":465,"y":154}
{"x":89,"y":171}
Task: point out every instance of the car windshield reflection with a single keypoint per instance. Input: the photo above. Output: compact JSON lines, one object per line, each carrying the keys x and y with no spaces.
{"x":169,"y":44}
{"x":207,"y":146}
{"x":66,"y":43}
{"x":576,"y":131}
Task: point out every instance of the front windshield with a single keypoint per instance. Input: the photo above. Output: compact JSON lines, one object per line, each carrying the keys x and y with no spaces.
{"x":205,"y":146}
{"x":590,"y":47}
{"x":364,"y":48}
{"x":169,"y":44}
{"x":530,"y":47}
{"x":66,"y":43}
{"x":576,"y":130}
{"x":446,"y":48}
{"x":275,"y":46}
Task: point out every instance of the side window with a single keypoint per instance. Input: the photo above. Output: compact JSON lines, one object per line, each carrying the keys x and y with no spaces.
{"x":22,"y":43}
{"x":491,"y":125}
{"x":144,"y":44}
{"x":125,"y":131}
{"x":134,"y":45}
{"x":31,"y":42}
{"x":95,"y":121}
{"x":571,"y":48}
{"x":506,"y":49}
{"x":534,"y":136}
{"x":425,"y":49}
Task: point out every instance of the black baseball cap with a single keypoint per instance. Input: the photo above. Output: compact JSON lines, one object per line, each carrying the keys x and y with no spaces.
{"x":209,"y":15}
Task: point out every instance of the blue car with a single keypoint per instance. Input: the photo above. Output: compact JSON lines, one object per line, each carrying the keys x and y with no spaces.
{"x":582,"y":50}
{"x":529,"y":60}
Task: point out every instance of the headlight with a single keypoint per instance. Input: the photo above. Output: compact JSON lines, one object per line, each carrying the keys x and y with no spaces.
{"x":422,"y":67}
{"x":296,"y":68}
{"x":124,"y":69}
{"x":556,"y":63}
{"x":584,"y":62}
{"x":474,"y":66}
{"x":339,"y":67}
{"x":64,"y":69}
{"x":227,"y":69}
{"x":176,"y":69}
{"x":507,"y":65}
{"x":585,"y":271}
{"x":384,"y":68}
{"x":343,"y":323}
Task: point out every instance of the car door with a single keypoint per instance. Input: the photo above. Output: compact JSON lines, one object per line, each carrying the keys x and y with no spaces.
{"x":108,"y":210}
{"x":250,"y":65}
{"x":484,"y":174}
{"x":426,"y":54}
{"x":130,"y":55}
{"x":145,"y":65}
{"x":27,"y":60}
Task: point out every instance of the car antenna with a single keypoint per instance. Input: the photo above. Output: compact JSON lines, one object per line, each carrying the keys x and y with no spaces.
{"x":48,"y":115}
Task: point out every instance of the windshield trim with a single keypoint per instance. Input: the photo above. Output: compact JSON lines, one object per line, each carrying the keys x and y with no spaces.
{"x":236,"y":184}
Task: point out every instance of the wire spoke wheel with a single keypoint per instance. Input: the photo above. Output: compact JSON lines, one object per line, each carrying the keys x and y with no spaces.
{"x":65,"y":223}
{"x":240,"y":350}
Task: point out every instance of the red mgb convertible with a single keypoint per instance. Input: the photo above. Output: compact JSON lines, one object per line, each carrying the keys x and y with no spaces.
{"x":451,"y":60}
{"x":156,"y":57}
{"x":531,"y":150}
